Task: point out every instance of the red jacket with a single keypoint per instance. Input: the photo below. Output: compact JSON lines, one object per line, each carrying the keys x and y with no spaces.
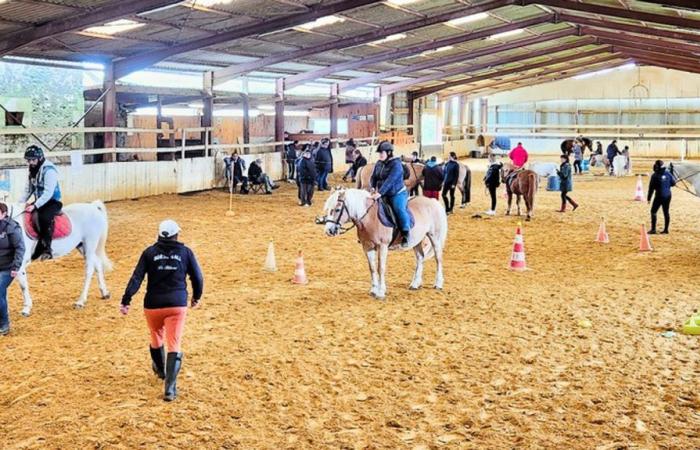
{"x":518,"y":155}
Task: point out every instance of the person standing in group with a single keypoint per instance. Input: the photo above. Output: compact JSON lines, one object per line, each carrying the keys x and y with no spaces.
{"x":432,"y":179}
{"x":307,"y":177}
{"x":660,"y":184}
{"x":492,"y":180}
{"x":566,"y":183}
{"x":449,"y":183}
{"x":11,"y":256}
{"x":290,"y":155}
{"x":611,"y":152}
{"x":578,"y":156}
{"x":324,"y":164}
{"x":167,"y":263}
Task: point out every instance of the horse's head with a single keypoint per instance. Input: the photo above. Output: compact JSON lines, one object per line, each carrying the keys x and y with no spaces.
{"x":335,"y":212}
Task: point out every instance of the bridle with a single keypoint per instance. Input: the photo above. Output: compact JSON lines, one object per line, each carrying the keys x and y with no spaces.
{"x":684,"y":184}
{"x":344,"y":209}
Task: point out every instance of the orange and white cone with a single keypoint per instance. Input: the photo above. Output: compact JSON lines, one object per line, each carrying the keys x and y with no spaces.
{"x":602,"y":233}
{"x":299,"y":272}
{"x":517,"y":258}
{"x":644,"y":242}
{"x":639,"y":192}
{"x":270,"y":261}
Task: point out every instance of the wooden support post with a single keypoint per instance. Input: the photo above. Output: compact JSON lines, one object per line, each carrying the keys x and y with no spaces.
{"x":484,"y":106}
{"x":279,"y":113}
{"x":333,"y":113}
{"x":246,"y":122}
{"x":109,"y":110}
{"x":207,"y":110}
{"x":410,"y":118}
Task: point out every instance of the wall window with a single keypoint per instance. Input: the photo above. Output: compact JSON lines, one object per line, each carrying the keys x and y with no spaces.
{"x":323,"y":126}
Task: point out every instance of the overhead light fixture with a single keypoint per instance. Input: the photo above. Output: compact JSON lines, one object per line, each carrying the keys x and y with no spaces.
{"x":437,"y":50}
{"x":468,"y":19}
{"x":402,"y":2}
{"x":393,"y":37}
{"x":206,"y":3}
{"x":506,"y":34}
{"x":118,"y":26}
{"x":321,"y":22}
{"x":604,"y":71}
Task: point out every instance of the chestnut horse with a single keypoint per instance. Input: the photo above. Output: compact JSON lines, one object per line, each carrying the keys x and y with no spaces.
{"x":427,"y":237}
{"x":522,"y":184}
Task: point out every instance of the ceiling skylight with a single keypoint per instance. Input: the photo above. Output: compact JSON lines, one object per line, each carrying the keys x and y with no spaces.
{"x":402,"y":2}
{"x":468,"y":19}
{"x":321,"y":22}
{"x":506,"y":34}
{"x":208,"y":3}
{"x":118,"y":26}
{"x":393,"y":37}
{"x":437,"y":50}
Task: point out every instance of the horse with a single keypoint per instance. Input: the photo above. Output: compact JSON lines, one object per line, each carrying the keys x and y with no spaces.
{"x":427,"y":237}
{"x":522,"y":184}
{"x":567,"y":145}
{"x":88,"y":234}
{"x":619,"y":164}
{"x":686,"y":175}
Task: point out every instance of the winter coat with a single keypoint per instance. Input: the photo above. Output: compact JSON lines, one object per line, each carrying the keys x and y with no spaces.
{"x":238,"y":168}
{"x":493,"y":175}
{"x":324,"y":160}
{"x":307,"y":171}
{"x":254,"y":172}
{"x":360,"y":161}
{"x":565,"y":178}
{"x":612,"y":152}
{"x":451,"y":174}
{"x":661,"y":182}
{"x":387,"y":177}
{"x":11,"y":245}
{"x":290,"y":153}
{"x":519,"y":156}
{"x":432,"y":177}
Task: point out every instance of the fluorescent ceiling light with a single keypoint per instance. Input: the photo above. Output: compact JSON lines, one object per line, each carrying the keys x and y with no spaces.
{"x":436,"y":50}
{"x":321,"y":22}
{"x":393,"y":37}
{"x":604,"y":71}
{"x":208,"y":3}
{"x":118,"y":26}
{"x":506,"y":34}
{"x":401,"y":2}
{"x":468,"y":19}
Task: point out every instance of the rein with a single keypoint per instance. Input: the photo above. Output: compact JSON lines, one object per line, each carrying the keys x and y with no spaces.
{"x":684,"y":180}
{"x":344,"y":208}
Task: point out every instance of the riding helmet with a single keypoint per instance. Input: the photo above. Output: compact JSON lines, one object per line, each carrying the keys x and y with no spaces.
{"x":385,"y":146}
{"x":34,"y":152}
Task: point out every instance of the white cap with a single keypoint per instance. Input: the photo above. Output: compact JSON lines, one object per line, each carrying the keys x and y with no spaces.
{"x":168,"y":228}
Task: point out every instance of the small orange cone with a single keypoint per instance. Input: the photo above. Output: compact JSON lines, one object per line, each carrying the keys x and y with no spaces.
{"x":639,"y":192}
{"x":602,"y":234}
{"x":644,"y":243}
{"x":517,"y":258}
{"x":299,"y":272}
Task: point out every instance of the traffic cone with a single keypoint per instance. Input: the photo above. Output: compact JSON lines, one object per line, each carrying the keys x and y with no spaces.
{"x":602,"y":234}
{"x":639,"y":192}
{"x":299,"y":272}
{"x":644,"y":243}
{"x":270,"y":264}
{"x":517,"y":258}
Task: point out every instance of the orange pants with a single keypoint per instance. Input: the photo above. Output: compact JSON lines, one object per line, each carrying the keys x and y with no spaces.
{"x":168,"y":321}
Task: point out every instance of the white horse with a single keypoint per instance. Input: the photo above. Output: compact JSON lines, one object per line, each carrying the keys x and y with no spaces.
{"x":427,"y":237}
{"x":619,"y":163}
{"x":687,"y":175}
{"x":88,"y":235}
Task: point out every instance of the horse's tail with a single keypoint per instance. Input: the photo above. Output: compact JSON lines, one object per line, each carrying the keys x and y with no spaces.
{"x":532,"y":188}
{"x":107,"y":265}
{"x":467,"y":186}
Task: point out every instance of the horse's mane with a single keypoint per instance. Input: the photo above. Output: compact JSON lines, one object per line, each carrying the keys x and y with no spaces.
{"x":355,"y":201}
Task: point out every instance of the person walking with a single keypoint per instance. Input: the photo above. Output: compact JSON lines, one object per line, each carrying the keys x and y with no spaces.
{"x":11,"y":256}
{"x":566,"y":184}
{"x":449,"y":183}
{"x":660,"y":185}
{"x":578,"y":156}
{"x":167,"y":263}
{"x":432,"y":179}
{"x":307,"y":178}
{"x":492,"y":180}
{"x":611,"y":152}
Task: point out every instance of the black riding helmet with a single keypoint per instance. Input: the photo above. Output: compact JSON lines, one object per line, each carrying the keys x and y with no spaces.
{"x":385,"y":146}
{"x":34,"y":152}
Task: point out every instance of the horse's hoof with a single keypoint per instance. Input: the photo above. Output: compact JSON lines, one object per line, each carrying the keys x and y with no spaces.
{"x":78,"y":306}
{"x":413,"y":288}
{"x":26,"y":313}
{"x":107,"y":296}
{"x":439,"y":288}
{"x":527,"y":219}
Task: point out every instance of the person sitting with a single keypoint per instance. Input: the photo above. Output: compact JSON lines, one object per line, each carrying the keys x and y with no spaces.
{"x":360,"y":162}
{"x":237,"y":170}
{"x":290,"y":155}
{"x":492,"y":180}
{"x":350,"y":154}
{"x":611,"y":153}
{"x":518,"y":157}
{"x":43,"y":185}
{"x":449,"y":182}
{"x":387,"y":180}
{"x":257,"y":176}
{"x":307,"y":178}
{"x":660,"y":184}
{"x":415,"y":159}
{"x":227,"y":170}
{"x":432,"y":179}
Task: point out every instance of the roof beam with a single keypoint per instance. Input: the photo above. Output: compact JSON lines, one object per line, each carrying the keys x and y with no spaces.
{"x":637,"y":40}
{"x":296,"y":80}
{"x":649,"y":31}
{"x":402,"y":85}
{"x":664,"y":64}
{"x":141,"y":61}
{"x":443,"y":62}
{"x":90,"y":17}
{"x":683,"y":4}
{"x":660,"y":57}
{"x":223,"y":75}
{"x":618,"y":12}
{"x":669,"y":55}
{"x":433,"y":89}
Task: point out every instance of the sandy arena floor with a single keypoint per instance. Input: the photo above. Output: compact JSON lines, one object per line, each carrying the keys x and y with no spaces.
{"x":496,"y":360}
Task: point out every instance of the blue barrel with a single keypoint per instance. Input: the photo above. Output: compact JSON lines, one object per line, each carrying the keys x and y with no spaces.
{"x":586,"y":165}
{"x":553,"y":183}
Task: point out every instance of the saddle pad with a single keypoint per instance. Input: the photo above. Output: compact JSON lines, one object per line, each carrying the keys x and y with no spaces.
{"x":386,"y":215}
{"x":62,"y":226}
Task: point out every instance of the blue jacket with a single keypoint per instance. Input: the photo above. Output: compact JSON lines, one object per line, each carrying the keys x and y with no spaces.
{"x":661,"y":182}
{"x":167,"y":263}
{"x":324,"y":159}
{"x":306,"y":171}
{"x":451,"y":174}
{"x":565,"y":179}
{"x":612,"y":152}
{"x":493,"y":175}
{"x":387,"y":177}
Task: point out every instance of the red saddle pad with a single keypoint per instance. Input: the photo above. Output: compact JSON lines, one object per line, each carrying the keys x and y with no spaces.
{"x":62,"y":226}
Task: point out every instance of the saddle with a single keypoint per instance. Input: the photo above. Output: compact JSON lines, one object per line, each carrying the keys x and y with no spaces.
{"x":62,"y":226}
{"x":388,"y":218}
{"x":511,"y":176}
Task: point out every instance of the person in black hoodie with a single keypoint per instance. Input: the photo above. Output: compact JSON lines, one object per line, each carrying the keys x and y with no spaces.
{"x":307,"y":178}
{"x":360,"y":162}
{"x":660,"y":183}
{"x":237,"y":170}
{"x":324,"y":164}
{"x":492,"y":180}
{"x":290,"y":155}
{"x":167,"y":263}
{"x":449,"y":183}
{"x":432,"y":179}
{"x":11,"y":255}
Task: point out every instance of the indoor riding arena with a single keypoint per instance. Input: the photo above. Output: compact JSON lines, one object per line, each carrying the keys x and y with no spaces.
{"x":193,"y":295}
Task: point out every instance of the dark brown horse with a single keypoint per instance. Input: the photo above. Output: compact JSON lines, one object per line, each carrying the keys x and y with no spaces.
{"x":523,"y":183}
{"x":567,"y":146}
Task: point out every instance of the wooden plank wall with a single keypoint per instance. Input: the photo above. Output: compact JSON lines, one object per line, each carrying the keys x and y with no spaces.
{"x":356,"y":128}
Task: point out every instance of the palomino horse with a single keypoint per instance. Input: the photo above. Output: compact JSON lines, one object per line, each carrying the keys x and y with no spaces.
{"x":415,"y":170}
{"x":88,"y":234}
{"x":567,"y":146}
{"x":522,"y":184}
{"x":687,"y":176}
{"x":427,"y":237}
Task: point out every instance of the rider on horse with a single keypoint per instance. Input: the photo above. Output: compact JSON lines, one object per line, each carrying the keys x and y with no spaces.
{"x":387,"y":179}
{"x":518,"y":156}
{"x":43,"y":185}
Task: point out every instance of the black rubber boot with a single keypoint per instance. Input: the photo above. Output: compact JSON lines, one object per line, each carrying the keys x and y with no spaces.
{"x":158,"y":358}
{"x":172,"y":368}
{"x":653,"y":225}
